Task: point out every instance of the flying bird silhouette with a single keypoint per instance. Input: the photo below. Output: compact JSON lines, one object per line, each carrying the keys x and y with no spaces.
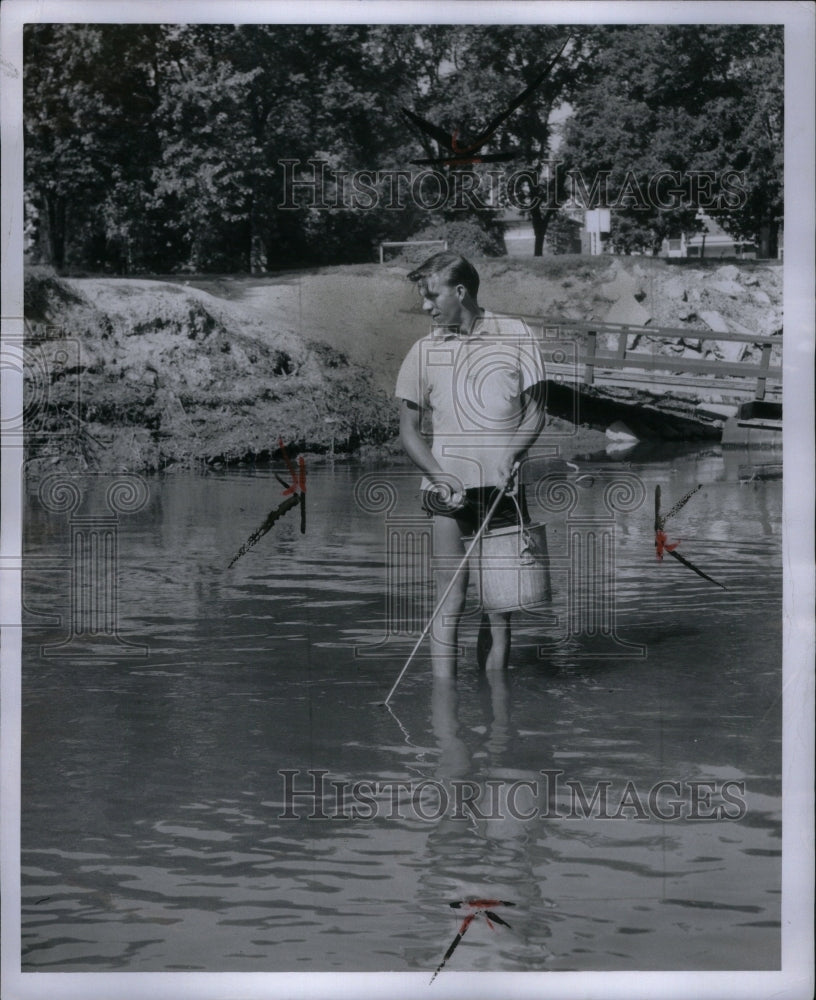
{"x":463,"y":154}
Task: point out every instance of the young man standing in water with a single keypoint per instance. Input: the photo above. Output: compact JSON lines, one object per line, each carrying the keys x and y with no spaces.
{"x":479,"y":377}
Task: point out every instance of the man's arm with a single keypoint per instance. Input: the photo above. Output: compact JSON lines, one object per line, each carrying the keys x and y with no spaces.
{"x":532,"y":424}
{"x":413,"y":442}
{"x":421,"y":455}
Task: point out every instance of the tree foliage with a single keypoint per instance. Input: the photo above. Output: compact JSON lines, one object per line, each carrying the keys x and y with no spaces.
{"x":158,"y":147}
{"x":91,"y":138}
{"x":699,"y":99}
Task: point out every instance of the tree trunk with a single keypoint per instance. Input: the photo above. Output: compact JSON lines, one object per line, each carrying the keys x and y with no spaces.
{"x":257,"y":249}
{"x":257,"y":262}
{"x":541,"y":222}
{"x":769,"y":239}
{"x":54,"y":241}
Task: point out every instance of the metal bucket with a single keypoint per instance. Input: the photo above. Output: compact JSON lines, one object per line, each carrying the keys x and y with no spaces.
{"x":511,"y":568}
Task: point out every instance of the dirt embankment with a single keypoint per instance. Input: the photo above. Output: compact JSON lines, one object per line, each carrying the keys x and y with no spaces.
{"x":215,"y":370}
{"x":371,"y":313}
{"x":162,"y":375}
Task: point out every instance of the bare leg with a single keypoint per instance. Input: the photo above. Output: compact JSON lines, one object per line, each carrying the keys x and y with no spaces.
{"x":449,"y":549}
{"x":498,"y":655}
{"x":499,"y":733}
{"x":454,"y":757}
{"x":484,"y":641}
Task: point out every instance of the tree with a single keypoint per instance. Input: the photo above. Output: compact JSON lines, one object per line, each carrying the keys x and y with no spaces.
{"x":563,"y":234}
{"x":90,"y":96}
{"x":160,"y":147}
{"x":478,"y":73}
{"x":685,"y":101}
{"x":239,"y":100}
{"x":744,"y":131}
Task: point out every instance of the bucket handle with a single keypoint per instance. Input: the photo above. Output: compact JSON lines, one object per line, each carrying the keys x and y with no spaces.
{"x":527,"y":538}
{"x":528,"y":550}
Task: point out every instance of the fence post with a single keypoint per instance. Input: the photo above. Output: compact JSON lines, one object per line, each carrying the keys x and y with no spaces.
{"x":764,"y":364}
{"x":589,"y":367}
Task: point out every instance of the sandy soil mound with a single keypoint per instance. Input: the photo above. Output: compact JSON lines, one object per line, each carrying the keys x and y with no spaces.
{"x":171,"y":375}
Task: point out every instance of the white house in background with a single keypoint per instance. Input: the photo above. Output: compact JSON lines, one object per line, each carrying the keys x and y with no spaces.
{"x":713,"y":241}
{"x":597,"y":225}
{"x":519,"y":237}
{"x":592,"y":233}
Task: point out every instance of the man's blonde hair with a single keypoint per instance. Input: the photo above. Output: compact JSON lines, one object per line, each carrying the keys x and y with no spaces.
{"x":451,"y":268}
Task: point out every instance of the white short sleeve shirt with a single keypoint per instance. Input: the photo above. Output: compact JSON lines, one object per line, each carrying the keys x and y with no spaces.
{"x":472,"y":386}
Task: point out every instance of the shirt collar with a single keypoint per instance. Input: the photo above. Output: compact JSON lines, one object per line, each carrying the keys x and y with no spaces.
{"x":477,"y":330}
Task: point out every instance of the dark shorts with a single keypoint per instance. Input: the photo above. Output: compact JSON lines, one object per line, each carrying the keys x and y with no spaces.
{"x":477,"y":503}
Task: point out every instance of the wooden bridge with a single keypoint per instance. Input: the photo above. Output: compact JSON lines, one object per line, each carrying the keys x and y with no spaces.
{"x":579,"y":353}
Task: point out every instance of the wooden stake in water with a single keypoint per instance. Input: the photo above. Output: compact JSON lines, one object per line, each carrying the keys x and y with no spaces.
{"x":661,"y":542}
{"x":295,"y":493}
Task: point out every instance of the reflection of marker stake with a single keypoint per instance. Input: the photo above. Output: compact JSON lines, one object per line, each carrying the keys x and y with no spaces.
{"x":479,"y":908}
{"x":258,"y":534}
{"x":662,"y":543}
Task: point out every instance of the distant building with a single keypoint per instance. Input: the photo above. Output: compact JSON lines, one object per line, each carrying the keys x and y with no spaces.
{"x":564,"y":234}
{"x":597,"y":223}
{"x":518,"y":233}
{"x":713,"y":241}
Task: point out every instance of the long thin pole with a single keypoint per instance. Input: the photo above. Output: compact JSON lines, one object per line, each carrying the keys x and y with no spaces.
{"x":449,"y":587}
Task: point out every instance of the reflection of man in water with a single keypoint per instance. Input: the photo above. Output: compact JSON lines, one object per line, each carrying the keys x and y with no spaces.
{"x":484,"y":846}
{"x":480,"y":379}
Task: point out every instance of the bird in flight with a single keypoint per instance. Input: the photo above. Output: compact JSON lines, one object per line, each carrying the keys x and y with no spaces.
{"x":463,"y":154}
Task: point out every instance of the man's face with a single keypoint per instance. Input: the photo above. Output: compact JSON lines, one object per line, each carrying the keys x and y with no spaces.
{"x":442,"y":301}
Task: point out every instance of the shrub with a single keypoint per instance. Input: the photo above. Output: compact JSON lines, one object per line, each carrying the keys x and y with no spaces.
{"x":468,"y":237}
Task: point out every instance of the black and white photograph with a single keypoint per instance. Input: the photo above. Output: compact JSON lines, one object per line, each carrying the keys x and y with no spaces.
{"x":407,"y":496}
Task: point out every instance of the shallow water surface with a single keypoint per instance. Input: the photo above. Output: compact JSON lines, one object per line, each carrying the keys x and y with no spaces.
{"x":158,"y":829}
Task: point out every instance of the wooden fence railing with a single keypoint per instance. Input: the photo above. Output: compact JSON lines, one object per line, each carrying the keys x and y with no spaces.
{"x":443,"y":244}
{"x":625,"y":358}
